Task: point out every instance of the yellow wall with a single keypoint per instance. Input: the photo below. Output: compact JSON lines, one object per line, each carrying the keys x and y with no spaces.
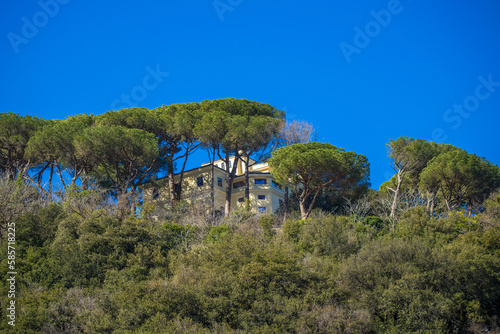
{"x":273,"y":194}
{"x":201,"y":194}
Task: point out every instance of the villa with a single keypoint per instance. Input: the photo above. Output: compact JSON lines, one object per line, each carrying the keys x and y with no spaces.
{"x":266,"y":195}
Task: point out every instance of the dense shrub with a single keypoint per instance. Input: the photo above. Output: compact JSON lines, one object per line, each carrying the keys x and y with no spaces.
{"x":103,"y":272}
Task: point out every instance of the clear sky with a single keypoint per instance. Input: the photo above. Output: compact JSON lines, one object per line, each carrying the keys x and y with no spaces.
{"x":362,"y":72}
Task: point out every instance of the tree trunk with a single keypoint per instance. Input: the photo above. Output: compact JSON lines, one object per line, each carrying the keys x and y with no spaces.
{"x":396,"y":194}
{"x":133,"y":205}
{"x":171,"y":179}
{"x":285,"y":203}
{"x":60,"y":175}
{"x":181,"y":177}
{"x":51,"y":175}
{"x":10,"y":174}
{"x":212,"y":185}
{"x":229,"y":183}
{"x":431,"y":202}
{"x":448,"y":204}
{"x":171,"y":188}
{"x":247,"y":182}
{"x":311,"y":206}
{"x":39,"y":179}
{"x":75,"y":176}
{"x":85,"y":181}
{"x":227,"y":206}
{"x":303,"y":211}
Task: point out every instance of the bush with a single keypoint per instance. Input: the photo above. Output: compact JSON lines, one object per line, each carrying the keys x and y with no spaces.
{"x":103,"y":272}
{"x":328,"y":235}
{"x":267,"y":222}
{"x":218,"y":232}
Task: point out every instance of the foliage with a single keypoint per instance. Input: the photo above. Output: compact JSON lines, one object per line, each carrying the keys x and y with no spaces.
{"x":218,"y":232}
{"x":463,"y":179}
{"x":93,"y":263}
{"x":124,"y":156}
{"x":97,"y":272}
{"x":239,"y":128}
{"x":313,"y":167}
{"x":15,"y":133}
{"x":182,"y":236}
{"x":267,"y":222}
{"x":16,"y":199}
{"x":55,"y":142}
{"x":409,"y":157}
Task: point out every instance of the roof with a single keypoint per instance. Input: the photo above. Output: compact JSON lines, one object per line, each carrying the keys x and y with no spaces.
{"x":231,"y":158}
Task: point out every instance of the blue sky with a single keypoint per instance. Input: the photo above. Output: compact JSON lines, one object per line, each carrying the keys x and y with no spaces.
{"x":361,"y":72}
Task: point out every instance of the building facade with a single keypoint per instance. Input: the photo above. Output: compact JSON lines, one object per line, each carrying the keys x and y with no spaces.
{"x":266,"y":195}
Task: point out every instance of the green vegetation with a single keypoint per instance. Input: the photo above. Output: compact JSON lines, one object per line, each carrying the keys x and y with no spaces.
{"x":104,"y":272}
{"x":310,"y":168}
{"x":421,"y":255}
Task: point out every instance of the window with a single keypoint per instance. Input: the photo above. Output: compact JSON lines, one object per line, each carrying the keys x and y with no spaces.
{"x":219,"y":182}
{"x":156,"y":193}
{"x":240,"y":200}
{"x":199,"y":181}
{"x":260,"y":181}
{"x":223,"y":166}
{"x":275,"y":184}
{"x":229,"y":164}
{"x":261,"y":196}
{"x":238,"y":184}
{"x":262,"y":209}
